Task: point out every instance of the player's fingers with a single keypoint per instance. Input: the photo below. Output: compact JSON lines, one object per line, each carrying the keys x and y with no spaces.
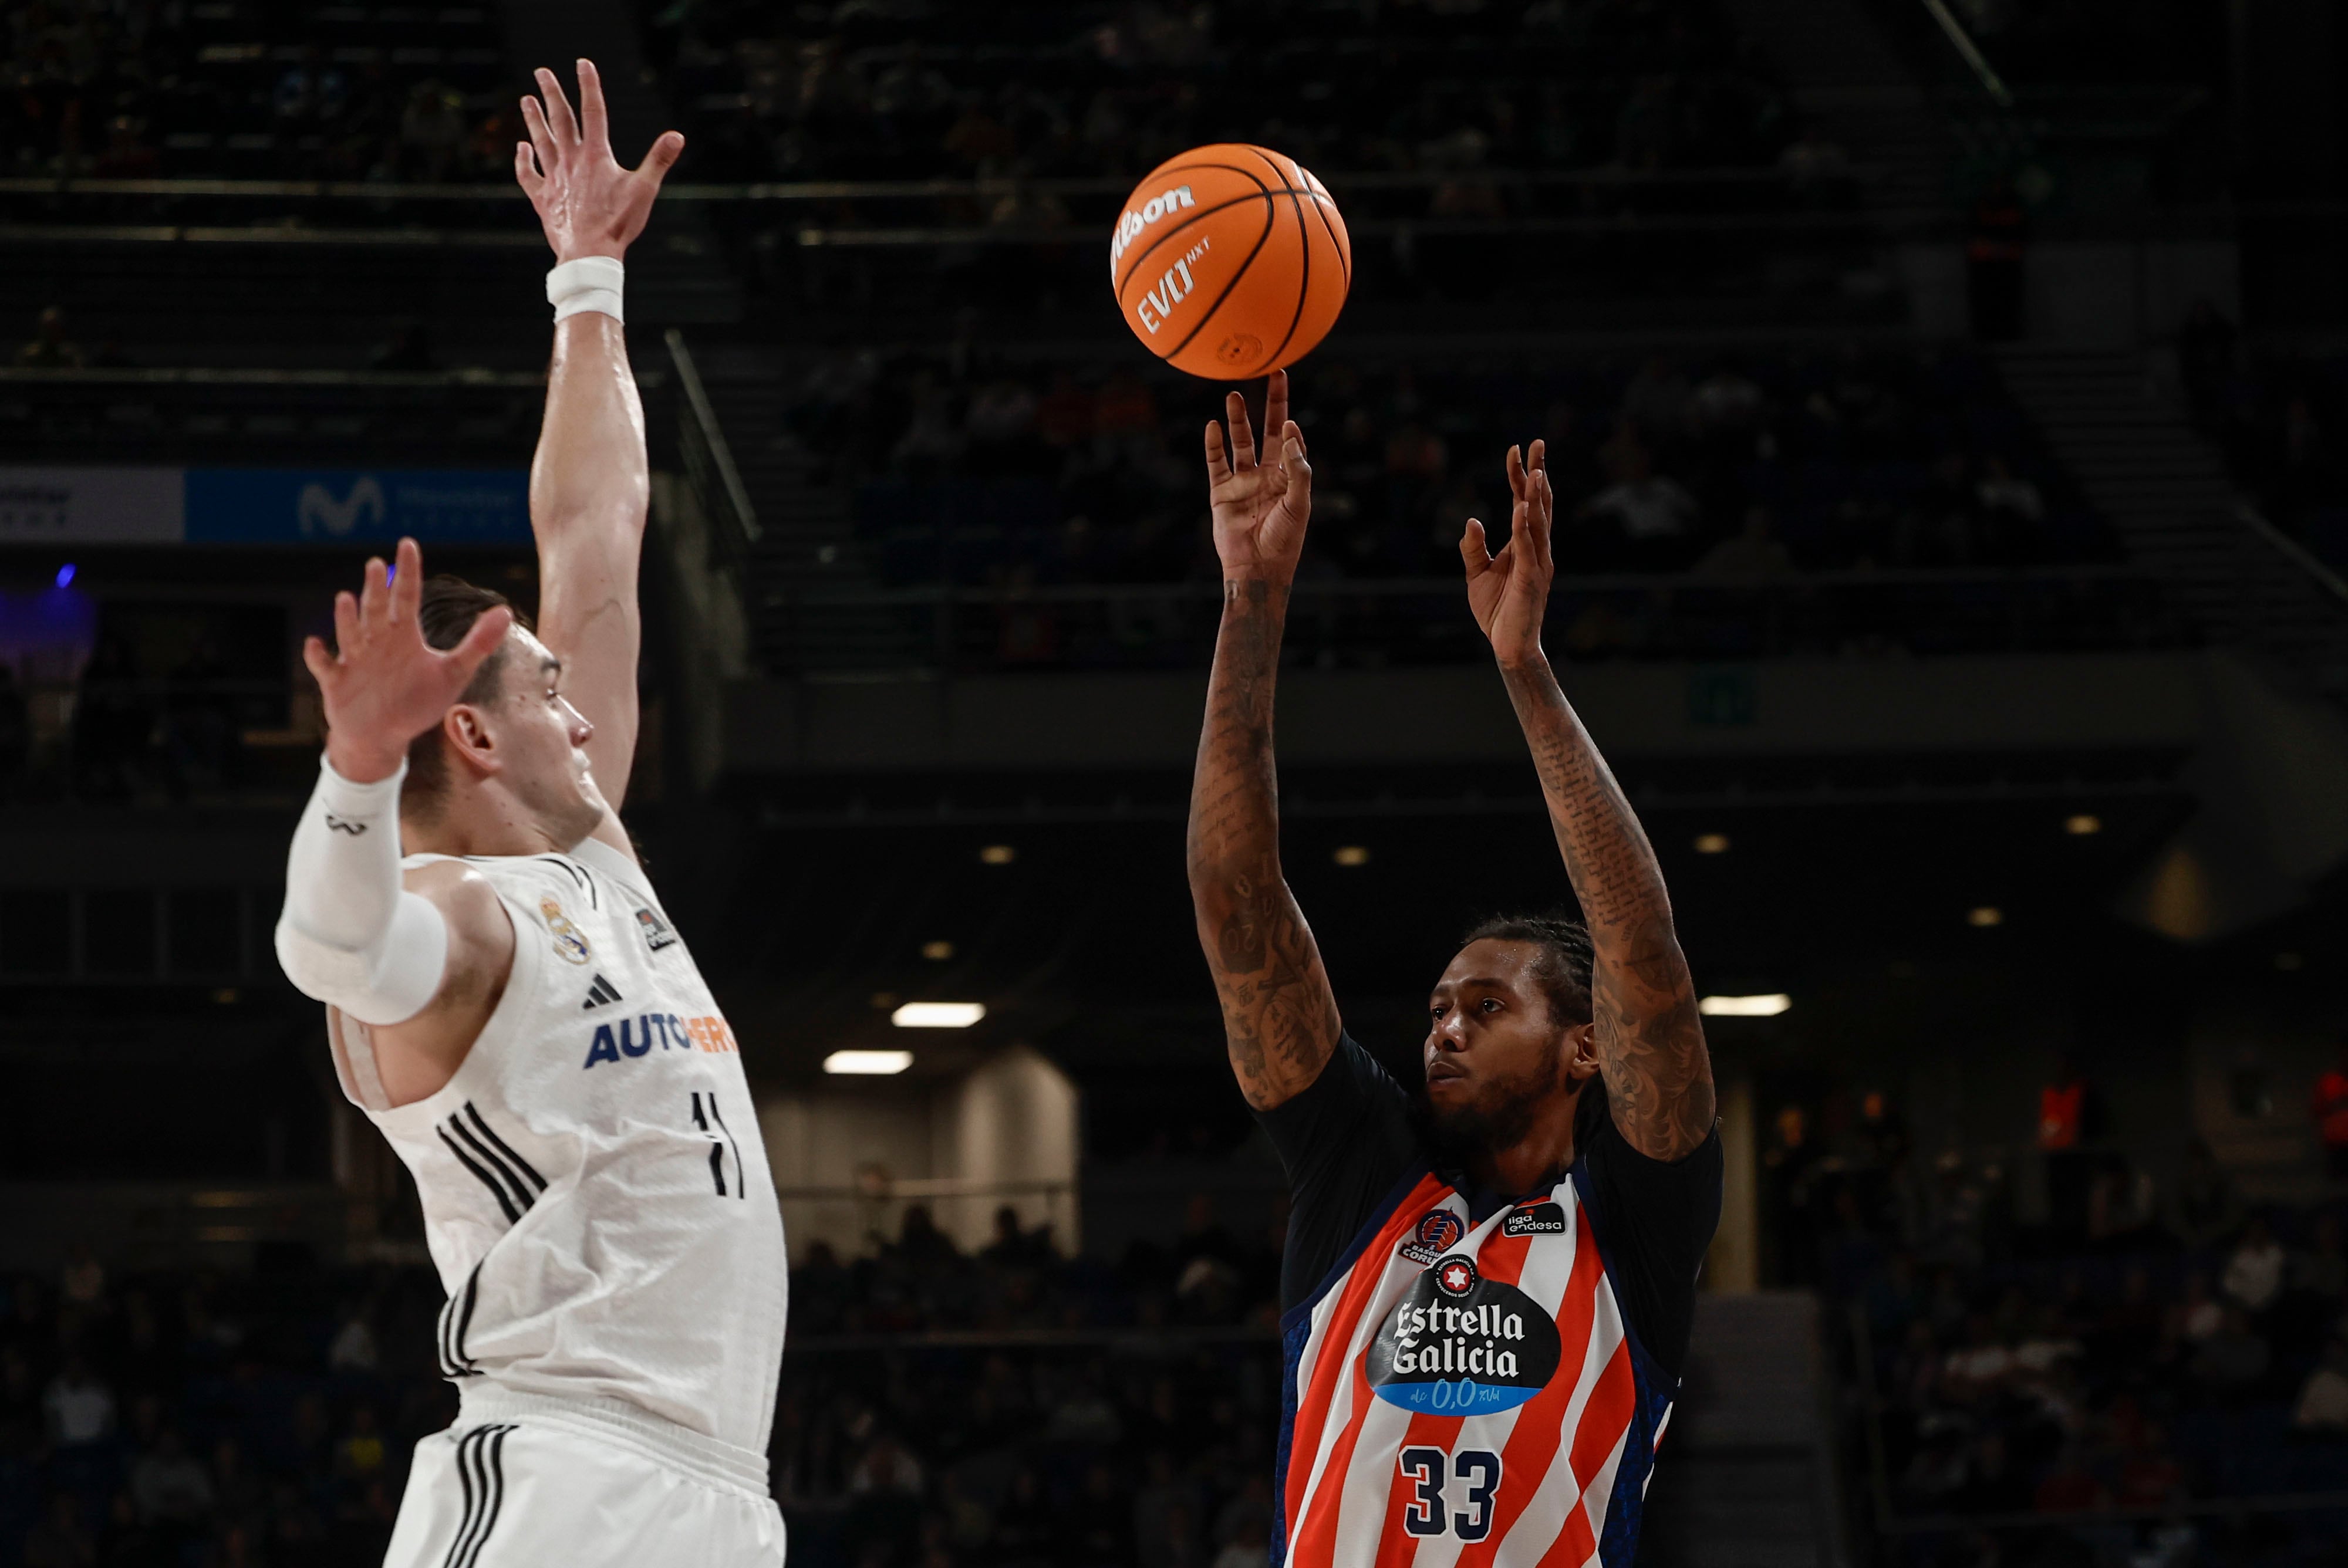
{"x":321,"y":662}
{"x":482,"y":641}
{"x":1515,"y":466}
{"x":541,"y":135}
{"x":407,"y":583}
{"x":1291,"y":431}
{"x":1298,"y":496}
{"x":559,"y":118}
{"x":1275,"y":401}
{"x":1473,"y":550}
{"x":526,"y":174}
{"x":375,"y":593}
{"x":1243,"y":433}
{"x":592,"y":123}
{"x":1218,"y":467}
{"x":662,"y":158}
{"x":346,"y":623}
{"x":1537,"y":455}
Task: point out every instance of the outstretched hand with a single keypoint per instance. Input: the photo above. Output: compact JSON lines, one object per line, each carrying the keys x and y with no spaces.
{"x":382,"y":684}
{"x":1260,"y":507}
{"x":1508,"y":591}
{"x":589,"y":205}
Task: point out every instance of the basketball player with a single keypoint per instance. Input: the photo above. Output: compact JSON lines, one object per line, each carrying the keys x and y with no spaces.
{"x":508,"y":1002}
{"x":1488,"y":1286}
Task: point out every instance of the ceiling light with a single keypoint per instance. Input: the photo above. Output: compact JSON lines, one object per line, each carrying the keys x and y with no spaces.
{"x":998,"y":854}
{"x":1351,"y":855}
{"x":938,"y":1015}
{"x":2081,"y":824}
{"x":937,"y":952}
{"x":868,"y":1063}
{"x":1985,"y":916}
{"x":1768,"y":1006}
{"x":1712,"y":843}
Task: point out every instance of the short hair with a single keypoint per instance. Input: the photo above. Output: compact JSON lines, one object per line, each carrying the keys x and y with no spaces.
{"x":1560,"y":963}
{"x":449,"y":607}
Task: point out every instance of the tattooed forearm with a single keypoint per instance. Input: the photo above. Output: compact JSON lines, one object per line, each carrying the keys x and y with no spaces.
{"x":1279,"y":1015}
{"x":1651,"y":1044}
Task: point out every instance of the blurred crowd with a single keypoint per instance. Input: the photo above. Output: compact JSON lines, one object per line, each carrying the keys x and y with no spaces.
{"x":175,"y":1419}
{"x":2147,"y":1345}
{"x":926,"y":90}
{"x":1735,"y":466}
{"x":137,"y":89}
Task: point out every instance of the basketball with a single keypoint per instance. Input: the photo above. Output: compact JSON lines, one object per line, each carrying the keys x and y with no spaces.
{"x":1230,"y":261}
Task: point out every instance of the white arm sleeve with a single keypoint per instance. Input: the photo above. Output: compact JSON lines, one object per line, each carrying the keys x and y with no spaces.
{"x":351,"y":935}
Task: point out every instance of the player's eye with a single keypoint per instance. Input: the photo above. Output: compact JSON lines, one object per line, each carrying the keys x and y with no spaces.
{"x":1491,"y":1004}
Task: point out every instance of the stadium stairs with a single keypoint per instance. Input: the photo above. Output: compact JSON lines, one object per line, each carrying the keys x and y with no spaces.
{"x":1747,"y":1475}
{"x":2166,"y":493}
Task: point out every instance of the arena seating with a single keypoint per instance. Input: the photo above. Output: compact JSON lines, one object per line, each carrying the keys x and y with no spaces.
{"x":175,"y":1417}
{"x":920,"y":92}
{"x":242,"y":89}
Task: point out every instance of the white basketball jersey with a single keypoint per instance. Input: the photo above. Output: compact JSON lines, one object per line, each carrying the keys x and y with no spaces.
{"x":595,"y":1193}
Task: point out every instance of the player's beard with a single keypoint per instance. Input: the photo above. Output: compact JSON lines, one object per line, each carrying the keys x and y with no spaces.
{"x":1502,"y":1115}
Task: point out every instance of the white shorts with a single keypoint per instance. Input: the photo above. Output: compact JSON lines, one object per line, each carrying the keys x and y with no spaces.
{"x":525,"y":1480}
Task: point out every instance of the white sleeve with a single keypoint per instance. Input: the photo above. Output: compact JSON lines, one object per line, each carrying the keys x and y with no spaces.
{"x":351,"y":935}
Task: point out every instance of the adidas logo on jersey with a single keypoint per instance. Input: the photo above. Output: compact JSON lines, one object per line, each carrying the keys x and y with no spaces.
{"x":599,"y":994}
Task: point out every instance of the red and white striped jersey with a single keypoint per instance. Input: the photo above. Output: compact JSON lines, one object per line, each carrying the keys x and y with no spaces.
{"x":1467,"y":1394}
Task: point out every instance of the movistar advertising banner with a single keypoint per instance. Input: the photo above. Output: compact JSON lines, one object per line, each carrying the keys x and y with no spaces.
{"x":264,"y":506}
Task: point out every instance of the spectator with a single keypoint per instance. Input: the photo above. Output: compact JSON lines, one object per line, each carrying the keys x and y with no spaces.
{"x":49,"y":347}
{"x":170,"y":1485}
{"x":60,"y":1540}
{"x":79,"y":1405}
{"x":1754,"y":551}
{"x":2207,"y":1208}
{"x":2234,"y":1360}
{"x":2322,"y":1404}
{"x":81,"y":1284}
{"x":2329,"y":1103}
{"x":2070,"y":1117}
{"x":2254,"y":1273}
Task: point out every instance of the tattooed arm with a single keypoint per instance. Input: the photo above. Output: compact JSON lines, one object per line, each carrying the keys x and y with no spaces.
{"x":1650,"y":1047}
{"x":1279,"y":1015}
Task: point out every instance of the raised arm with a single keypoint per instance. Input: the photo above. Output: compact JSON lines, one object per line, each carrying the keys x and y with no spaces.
{"x":1650,"y":1047}
{"x":589,"y":483}
{"x":1280,"y":1018}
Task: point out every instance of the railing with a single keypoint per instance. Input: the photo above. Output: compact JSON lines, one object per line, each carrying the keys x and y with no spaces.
{"x":709,"y":462}
{"x":1424,"y":621}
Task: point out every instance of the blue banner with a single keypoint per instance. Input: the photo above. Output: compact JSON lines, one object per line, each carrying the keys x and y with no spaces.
{"x":358,"y":506}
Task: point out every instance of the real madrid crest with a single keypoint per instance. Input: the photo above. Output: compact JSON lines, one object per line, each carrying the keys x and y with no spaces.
{"x":568,"y":945}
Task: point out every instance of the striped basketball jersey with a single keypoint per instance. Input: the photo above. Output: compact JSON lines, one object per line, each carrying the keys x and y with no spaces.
{"x":596,"y":1197}
{"x":1467,"y":1393}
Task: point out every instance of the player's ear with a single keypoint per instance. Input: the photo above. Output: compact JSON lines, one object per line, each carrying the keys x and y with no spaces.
{"x":1581,"y":1051}
{"x":465,"y":730}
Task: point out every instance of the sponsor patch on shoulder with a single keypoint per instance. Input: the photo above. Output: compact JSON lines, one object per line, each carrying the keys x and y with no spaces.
{"x":1536,"y":1219}
{"x":1436,"y":1233}
{"x":656,"y":931}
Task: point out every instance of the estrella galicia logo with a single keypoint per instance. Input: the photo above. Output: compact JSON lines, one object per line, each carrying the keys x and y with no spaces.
{"x":1536,"y":1219}
{"x":1436,"y":1233}
{"x":1459,"y":1344}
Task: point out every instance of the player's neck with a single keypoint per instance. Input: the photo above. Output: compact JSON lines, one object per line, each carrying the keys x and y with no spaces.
{"x":1547,"y":1147}
{"x":483,"y":821}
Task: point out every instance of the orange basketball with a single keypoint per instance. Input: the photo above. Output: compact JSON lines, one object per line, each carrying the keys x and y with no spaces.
{"x":1230,"y":261}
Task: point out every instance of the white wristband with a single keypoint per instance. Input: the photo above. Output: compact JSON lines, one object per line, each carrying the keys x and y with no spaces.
{"x":588,"y":283}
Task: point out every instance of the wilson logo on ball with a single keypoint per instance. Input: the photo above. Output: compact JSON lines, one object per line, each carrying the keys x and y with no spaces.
{"x":1130,"y":227}
{"x":1230,"y":261}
